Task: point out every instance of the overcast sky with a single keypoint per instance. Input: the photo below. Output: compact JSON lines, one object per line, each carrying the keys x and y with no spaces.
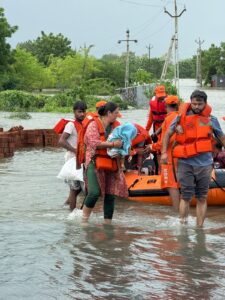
{"x":104,"y":22}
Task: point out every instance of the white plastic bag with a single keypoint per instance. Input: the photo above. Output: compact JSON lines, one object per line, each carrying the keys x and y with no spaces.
{"x":69,"y":172}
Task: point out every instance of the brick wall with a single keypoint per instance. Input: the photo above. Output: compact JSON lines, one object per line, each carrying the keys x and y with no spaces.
{"x":17,"y":138}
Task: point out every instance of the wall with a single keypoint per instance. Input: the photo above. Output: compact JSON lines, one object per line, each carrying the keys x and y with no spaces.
{"x":17,"y":138}
{"x":137,"y":95}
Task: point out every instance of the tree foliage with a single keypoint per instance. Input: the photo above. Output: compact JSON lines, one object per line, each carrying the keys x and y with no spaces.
{"x":6,"y":58}
{"x":48,"y":45}
{"x":29,"y":74}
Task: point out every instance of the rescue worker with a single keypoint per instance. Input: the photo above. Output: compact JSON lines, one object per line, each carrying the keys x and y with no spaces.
{"x":157,"y":110}
{"x":103,"y":176}
{"x":168,"y":171}
{"x":156,"y":116}
{"x":69,"y":141}
{"x":194,"y":127}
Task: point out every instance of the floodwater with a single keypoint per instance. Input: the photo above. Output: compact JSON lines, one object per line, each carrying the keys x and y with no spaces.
{"x":145,"y":254}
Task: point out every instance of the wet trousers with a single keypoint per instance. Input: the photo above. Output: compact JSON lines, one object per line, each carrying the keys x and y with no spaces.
{"x":94,"y":193}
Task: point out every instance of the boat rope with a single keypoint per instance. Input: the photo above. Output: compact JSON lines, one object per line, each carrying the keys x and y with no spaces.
{"x":219,"y":186}
{"x":133,"y":184}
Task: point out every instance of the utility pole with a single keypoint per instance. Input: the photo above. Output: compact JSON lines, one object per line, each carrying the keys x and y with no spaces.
{"x":127,"y":40}
{"x":199,"y":62}
{"x":149,"y":47}
{"x":167,"y":59}
{"x":176,"y":56}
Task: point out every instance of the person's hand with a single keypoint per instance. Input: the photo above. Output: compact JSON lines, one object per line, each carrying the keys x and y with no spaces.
{"x":154,"y":137}
{"x":117,"y":144}
{"x":148,"y":149}
{"x":164,"y":158}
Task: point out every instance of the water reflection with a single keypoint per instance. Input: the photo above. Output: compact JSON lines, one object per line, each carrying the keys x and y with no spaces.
{"x":197,"y":265}
{"x":101,"y":263}
{"x":146,"y":254}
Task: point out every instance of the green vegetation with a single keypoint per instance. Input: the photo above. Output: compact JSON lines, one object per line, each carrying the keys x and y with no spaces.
{"x":22,"y":102}
{"x":20,"y":115}
{"x":49,"y":62}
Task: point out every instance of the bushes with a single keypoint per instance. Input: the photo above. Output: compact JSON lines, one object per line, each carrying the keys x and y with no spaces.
{"x":122,"y":104}
{"x":19,"y":101}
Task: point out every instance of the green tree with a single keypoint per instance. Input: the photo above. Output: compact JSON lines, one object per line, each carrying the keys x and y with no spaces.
{"x":29,"y":74}
{"x":141,"y":76}
{"x":48,"y":45}
{"x":69,"y":71}
{"x":112,"y":67}
{"x":6,"y":57}
{"x":187,"y":68}
{"x":210,"y":62}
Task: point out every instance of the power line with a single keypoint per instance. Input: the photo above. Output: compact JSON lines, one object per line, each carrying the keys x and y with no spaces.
{"x":140,"y":4}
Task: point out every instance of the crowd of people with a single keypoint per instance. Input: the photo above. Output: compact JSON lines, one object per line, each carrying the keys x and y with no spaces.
{"x":186,"y":142}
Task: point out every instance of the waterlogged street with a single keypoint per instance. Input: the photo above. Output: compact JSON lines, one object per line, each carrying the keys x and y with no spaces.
{"x":146,"y":254}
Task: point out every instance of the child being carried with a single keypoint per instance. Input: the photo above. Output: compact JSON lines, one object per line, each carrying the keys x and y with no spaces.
{"x":126,"y":133}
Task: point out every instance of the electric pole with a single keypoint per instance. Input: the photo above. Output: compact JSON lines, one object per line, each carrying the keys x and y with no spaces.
{"x":149,"y":47}
{"x":176,"y":56}
{"x":199,"y":62}
{"x":127,"y":40}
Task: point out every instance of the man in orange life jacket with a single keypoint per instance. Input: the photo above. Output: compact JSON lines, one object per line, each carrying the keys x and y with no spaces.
{"x":168,"y":176}
{"x":69,"y":141}
{"x":194,"y":127}
{"x":157,"y":114}
{"x":157,"y":110}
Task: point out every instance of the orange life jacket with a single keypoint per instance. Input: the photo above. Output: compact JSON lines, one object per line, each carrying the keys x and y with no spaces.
{"x":60,"y":125}
{"x":91,"y":116}
{"x":142,"y":135}
{"x":80,"y":154}
{"x":102,"y":160}
{"x":158,"y":109}
{"x":193,"y":133}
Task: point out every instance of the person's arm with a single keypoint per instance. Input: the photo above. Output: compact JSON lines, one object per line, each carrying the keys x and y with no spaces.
{"x":114,"y":144}
{"x":166,"y":140}
{"x":165,"y":145}
{"x":150,"y":120}
{"x":217,"y":130}
{"x":64,"y":143}
{"x":222,"y":140}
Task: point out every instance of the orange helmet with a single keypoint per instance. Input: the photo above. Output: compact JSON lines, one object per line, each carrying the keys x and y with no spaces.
{"x":172,"y":99}
{"x":100,"y":103}
{"x":224,"y":118}
{"x":160,"y":91}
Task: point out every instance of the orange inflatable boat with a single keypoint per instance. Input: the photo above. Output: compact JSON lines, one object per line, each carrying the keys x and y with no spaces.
{"x":147,"y":188}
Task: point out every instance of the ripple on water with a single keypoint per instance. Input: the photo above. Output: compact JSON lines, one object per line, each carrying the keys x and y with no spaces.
{"x":146,"y":254}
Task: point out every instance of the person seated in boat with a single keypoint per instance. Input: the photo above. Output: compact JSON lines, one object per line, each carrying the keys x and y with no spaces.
{"x":168,"y":171}
{"x":137,"y":154}
{"x":219,"y":156}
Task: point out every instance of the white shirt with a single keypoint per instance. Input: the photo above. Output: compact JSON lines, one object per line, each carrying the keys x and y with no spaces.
{"x":72,"y":139}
